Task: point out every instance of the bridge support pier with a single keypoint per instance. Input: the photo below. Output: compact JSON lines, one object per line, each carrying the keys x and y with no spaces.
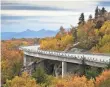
{"x":64,"y":68}
{"x":24,"y":60}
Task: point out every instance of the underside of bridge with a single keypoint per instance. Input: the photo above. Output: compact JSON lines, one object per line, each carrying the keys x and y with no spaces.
{"x":53,"y":67}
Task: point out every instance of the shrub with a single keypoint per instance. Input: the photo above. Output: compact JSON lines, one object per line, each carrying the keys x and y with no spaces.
{"x":41,"y":77}
{"x":21,"y":81}
{"x":92,"y":73}
{"x":74,"y":81}
{"x":103,"y":80}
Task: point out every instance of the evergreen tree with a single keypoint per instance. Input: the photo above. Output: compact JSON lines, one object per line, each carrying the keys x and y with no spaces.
{"x":90,"y":17}
{"x":103,"y":11}
{"x":81,"y":19}
{"x":62,"y":29}
{"x":96,"y":12}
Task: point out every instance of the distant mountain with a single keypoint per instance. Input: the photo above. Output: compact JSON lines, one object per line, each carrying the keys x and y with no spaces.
{"x":28,"y":34}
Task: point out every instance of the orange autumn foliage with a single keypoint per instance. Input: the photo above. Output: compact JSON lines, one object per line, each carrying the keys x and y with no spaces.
{"x":103,"y":77}
{"x":102,"y":80}
{"x":74,"y":81}
{"x":12,"y":57}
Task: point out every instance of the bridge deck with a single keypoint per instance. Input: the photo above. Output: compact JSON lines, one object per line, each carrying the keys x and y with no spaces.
{"x":89,"y":57}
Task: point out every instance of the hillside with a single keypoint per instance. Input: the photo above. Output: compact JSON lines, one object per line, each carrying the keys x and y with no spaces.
{"x":92,"y":35}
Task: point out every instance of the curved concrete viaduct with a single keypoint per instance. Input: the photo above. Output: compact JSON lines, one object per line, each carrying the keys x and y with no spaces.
{"x":96,"y":60}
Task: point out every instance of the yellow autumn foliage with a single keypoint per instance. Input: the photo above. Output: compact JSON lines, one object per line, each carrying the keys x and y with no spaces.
{"x":56,"y":44}
{"x":105,"y":29}
{"x":21,"y":81}
{"x":74,"y":81}
{"x":103,"y":45}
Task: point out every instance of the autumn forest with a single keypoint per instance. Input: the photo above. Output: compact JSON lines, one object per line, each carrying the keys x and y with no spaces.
{"x":92,"y":35}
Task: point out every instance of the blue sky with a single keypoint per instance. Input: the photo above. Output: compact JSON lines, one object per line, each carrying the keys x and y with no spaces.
{"x":19,"y":15}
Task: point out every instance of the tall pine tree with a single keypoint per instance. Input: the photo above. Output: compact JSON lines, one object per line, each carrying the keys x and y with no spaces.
{"x":96,"y":12}
{"x":103,"y":11}
{"x":81,"y":19}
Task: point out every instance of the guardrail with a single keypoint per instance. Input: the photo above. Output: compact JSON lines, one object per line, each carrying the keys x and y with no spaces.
{"x":89,"y":57}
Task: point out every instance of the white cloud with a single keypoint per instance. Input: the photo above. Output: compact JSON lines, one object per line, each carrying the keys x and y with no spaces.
{"x":36,"y":13}
{"x":40,"y":13}
{"x":72,"y":4}
{"x":54,"y":19}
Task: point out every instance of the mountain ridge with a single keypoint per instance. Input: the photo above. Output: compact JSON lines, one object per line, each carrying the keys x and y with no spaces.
{"x":28,"y":34}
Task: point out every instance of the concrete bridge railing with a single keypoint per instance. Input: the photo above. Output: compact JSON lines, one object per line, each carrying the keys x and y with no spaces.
{"x":96,"y":60}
